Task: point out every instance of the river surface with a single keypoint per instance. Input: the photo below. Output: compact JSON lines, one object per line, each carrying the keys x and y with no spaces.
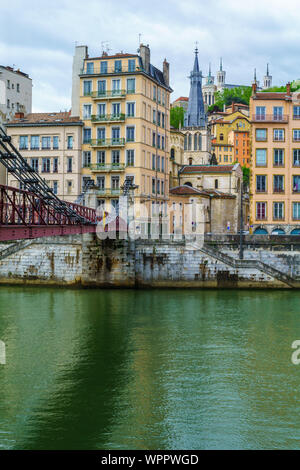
{"x":149,"y":369}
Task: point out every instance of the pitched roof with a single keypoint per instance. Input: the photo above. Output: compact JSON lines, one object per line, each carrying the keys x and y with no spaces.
{"x":207,"y":168}
{"x":182,"y":98}
{"x":186,"y":190}
{"x":45,"y":118}
{"x":272,"y":96}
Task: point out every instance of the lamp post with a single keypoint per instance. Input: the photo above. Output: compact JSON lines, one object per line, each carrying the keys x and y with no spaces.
{"x":241,"y":224}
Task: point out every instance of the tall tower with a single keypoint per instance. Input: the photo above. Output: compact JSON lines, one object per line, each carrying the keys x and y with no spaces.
{"x":221,"y":76}
{"x":210,"y":79}
{"x":195,"y":115}
{"x":267,"y":79}
{"x":255,"y":81}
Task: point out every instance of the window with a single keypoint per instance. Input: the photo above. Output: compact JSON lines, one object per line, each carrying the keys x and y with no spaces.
{"x":101,"y":87}
{"x":116,"y":84}
{"x":158,"y":141}
{"x":55,"y":142}
{"x":278,"y":157}
{"x":260,"y":113}
{"x":296,"y":114}
{"x":296,"y":157}
{"x":8,"y":103}
{"x":261,"y":183}
{"x":158,"y":163}
{"x":130,"y":85}
{"x":130,"y":157}
{"x":55,"y":165}
{"x":163,"y":188}
{"x":35,"y":164}
{"x":153,"y":185}
{"x":163,"y":120}
{"x":278,"y":183}
{"x":69,"y":166}
{"x":158,"y":118}
{"x":116,"y":109}
{"x":55,"y":187}
{"x":130,"y":109}
{"x":87,"y":87}
{"x":87,"y":111}
{"x":261,"y":157}
{"x":23,"y":144}
{"x":101,"y":157}
{"x":158,"y":187}
{"x":115,"y":134}
{"x":130,"y":134}
{"x":46,"y":143}
{"x":261,"y":135}
{"x":18,"y":87}
{"x":35,"y":142}
{"x":216,"y":184}
{"x":261,"y":210}
{"x":131,"y":65}
{"x":278,"y":210}
{"x":86,"y":159}
{"x":278,"y":135}
{"x":296,"y":135}
{"x":87,"y":134}
{"x":163,"y":164}
{"x":90,"y":67}
{"x":296,"y":210}
{"x":103,"y":67}
{"x":153,"y":161}
{"x":70,"y":142}
{"x":154,"y":116}
{"x":101,"y":109}
{"x":115,"y":157}
{"x":154,"y":93}
{"x":118,"y":66}
{"x":277,"y":113}
{"x":8,"y":84}
{"x":296,"y":184}
{"x":115,"y":182}
{"x":221,"y":136}
{"x":45,"y":165}
{"x":101,"y":182}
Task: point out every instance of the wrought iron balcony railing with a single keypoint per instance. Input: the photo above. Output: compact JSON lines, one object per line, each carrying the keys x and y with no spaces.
{"x":108,"y":192}
{"x":283,"y":118}
{"x":108,"y":118}
{"x":111,"y":70}
{"x":107,"y":142}
{"x":107,"y":168}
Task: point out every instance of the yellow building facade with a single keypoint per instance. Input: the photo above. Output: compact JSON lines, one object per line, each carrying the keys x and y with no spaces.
{"x":275,"y":167}
{"x":125,"y":107}
{"x":222,"y":144}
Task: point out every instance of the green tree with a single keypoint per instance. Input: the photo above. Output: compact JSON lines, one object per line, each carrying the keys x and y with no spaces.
{"x":176,"y":116}
{"x":246,"y":175}
{"x":228,"y":96}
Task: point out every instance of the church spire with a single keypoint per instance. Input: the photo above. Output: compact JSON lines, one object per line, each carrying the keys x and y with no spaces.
{"x":209,"y":70}
{"x":195,"y":115}
{"x":221,"y":64}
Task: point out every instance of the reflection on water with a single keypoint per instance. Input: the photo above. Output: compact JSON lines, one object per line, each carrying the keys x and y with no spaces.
{"x":101,"y":369}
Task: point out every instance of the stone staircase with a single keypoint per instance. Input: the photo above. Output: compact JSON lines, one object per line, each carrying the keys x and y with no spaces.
{"x":12,"y":249}
{"x":246,"y":263}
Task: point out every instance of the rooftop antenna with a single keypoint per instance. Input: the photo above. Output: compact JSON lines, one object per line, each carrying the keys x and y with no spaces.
{"x":105,"y":47}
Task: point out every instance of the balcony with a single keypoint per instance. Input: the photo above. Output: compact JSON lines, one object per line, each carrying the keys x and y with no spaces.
{"x":100,"y":95}
{"x":108,"y":142}
{"x":112,"y":70}
{"x":270,"y":118}
{"x":107,"y":168}
{"x":108,"y":118}
{"x":278,"y":190}
{"x":109,"y":192}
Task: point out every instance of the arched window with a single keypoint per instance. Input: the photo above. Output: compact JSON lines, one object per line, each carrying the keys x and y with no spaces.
{"x":172,"y":153}
{"x":216,"y":184}
{"x":278,"y":231}
{"x":188,"y":184}
{"x":200,"y":142}
{"x":221,"y":136}
{"x":190,"y":161}
{"x":185,"y":142}
{"x":296,"y":231}
{"x":260,"y":231}
{"x":195,"y":141}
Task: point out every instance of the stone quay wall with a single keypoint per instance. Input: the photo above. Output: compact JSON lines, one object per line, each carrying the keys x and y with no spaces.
{"x":83,"y":260}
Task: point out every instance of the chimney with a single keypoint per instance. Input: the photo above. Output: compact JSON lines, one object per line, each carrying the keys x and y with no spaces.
{"x":232,"y":107}
{"x":81,"y":53}
{"x":288,"y":89}
{"x":19,"y":115}
{"x":166,"y":67}
{"x":254,"y":88}
{"x":145,"y":56}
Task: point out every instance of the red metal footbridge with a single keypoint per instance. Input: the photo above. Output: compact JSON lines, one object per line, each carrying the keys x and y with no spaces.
{"x":35,"y":211}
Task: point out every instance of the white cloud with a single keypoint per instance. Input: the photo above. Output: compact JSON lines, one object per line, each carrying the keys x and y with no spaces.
{"x":41,"y":39}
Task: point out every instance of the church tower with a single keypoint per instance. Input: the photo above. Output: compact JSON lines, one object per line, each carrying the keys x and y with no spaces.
{"x":255,"y":81}
{"x":221,"y":76}
{"x":267,"y":79}
{"x":195,"y":115}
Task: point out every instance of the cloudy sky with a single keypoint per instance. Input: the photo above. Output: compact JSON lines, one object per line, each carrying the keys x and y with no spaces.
{"x":40,"y":38}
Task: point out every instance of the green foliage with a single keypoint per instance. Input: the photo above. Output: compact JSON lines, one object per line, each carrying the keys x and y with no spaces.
{"x":246,"y":175}
{"x":176,"y":116}
{"x":295,"y":85}
{"x":228,"y":96}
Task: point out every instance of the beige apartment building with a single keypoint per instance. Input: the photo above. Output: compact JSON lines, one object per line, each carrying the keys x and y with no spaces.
{"x":124,"y":102}
{"x":275,"y":170}
{"x":51,"y":144}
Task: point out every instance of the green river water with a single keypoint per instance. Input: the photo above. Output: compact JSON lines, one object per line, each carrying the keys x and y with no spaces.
{"x":149,"y":369}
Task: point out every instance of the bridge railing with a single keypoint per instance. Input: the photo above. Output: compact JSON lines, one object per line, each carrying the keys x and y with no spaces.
{"x":19,"y":207}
